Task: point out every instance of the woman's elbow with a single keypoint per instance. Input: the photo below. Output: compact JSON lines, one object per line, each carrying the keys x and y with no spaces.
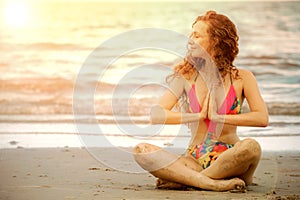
{"x":157,"y":115}
{"x":264,"y":120}
{"x":154,"y":120}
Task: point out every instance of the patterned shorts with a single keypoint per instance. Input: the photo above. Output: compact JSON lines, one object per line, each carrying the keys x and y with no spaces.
{"x":207,"y":152}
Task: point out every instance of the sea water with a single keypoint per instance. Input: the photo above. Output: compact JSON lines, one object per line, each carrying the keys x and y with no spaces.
{"x":41,"y":60}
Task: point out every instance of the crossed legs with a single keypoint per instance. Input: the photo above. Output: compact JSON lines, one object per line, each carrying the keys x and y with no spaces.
{"x":239,"y":161}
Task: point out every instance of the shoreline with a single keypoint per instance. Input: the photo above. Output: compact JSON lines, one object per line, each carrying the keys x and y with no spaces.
{"x":58,"y":140}
{"x":72,"y":173}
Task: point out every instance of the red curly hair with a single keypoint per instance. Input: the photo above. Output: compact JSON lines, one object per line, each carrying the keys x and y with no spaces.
{"x":223,"y":47}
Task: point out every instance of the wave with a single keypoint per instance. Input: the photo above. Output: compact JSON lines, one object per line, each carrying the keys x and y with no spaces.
{"x":262,"y":57}
{"x":55,"y":96}
{"x":279,"y":126}
{"x":272,"y":63}
{"x":279,"y":61}
{"x":275,"y":120}
{"x":283,"y":108}
{"x":36,"y":85}
{"x":63,"y":104}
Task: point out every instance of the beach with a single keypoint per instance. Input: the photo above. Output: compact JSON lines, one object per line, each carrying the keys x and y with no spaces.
{"x":74,"y":98}
{"x":72,"y":173}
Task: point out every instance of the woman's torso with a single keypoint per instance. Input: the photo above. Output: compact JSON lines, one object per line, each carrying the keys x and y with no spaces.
{"x":197,"y":90}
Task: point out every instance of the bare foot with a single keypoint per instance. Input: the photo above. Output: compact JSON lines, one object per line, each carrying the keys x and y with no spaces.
{"x":163,"y":184}
{"x":232,"y":185}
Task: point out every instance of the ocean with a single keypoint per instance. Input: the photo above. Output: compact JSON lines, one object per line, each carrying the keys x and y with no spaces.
{"x":42,"y":58}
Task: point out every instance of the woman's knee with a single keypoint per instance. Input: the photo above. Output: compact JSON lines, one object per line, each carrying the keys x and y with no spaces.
{"x":151,"y":157}
{"x":139,"y":148}
{"x":251,"y":148}
{"x":144,"y":148}
{"x":246,"y":150}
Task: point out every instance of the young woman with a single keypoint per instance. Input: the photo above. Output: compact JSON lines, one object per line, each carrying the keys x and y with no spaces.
{"x":216,"y":158}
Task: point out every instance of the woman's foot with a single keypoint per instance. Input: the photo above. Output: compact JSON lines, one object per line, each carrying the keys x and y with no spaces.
{"x":167,"y":185}
{"x":233,"y":185}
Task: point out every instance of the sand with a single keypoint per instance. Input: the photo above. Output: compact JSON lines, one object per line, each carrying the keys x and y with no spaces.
{"x":72,"y":173}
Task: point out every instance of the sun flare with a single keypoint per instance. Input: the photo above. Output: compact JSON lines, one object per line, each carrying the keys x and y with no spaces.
{"x":16,"y":14}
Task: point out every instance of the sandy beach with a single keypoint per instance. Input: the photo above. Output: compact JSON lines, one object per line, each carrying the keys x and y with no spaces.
{"x":72,"y":173}
{"x":48,"y":44}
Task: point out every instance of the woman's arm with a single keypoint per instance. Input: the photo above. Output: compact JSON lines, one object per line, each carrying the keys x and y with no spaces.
{"x":162,"y":114}
{"x":258,"y":115}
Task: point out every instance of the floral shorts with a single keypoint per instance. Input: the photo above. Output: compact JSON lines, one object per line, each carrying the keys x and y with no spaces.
{"x":207,"y":152}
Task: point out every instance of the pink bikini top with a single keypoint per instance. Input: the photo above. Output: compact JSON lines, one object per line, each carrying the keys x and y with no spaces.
{"x":231,"y":105}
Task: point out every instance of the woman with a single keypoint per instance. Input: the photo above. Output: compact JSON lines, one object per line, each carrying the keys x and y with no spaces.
{"x":216,"y":158}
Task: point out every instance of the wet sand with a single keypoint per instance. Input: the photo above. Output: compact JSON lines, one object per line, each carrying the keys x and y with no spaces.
{"x":72,"y":173}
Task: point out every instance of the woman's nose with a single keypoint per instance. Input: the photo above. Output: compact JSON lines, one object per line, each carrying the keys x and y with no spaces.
{"x":191,"y":41}
{"x":191,"y":44}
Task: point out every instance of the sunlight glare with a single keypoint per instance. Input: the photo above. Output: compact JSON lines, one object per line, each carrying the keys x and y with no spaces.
{"x":16,"y":14}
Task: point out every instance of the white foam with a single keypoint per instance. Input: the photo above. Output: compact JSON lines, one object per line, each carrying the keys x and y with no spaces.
{"x":274,"y":144}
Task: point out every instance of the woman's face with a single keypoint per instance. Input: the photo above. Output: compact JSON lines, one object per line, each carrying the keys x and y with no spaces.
{"x":199,"y":42}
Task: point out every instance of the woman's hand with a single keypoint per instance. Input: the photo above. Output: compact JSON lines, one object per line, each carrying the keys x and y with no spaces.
{"x":205,"y":108}
{"x":213,"y":108}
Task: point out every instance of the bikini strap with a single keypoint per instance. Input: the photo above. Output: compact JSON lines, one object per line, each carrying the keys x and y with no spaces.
{"x":196,"y":76}
{"x":230,"y":77}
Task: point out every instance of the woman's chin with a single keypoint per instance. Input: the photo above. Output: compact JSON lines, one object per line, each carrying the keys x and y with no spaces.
{"x":196,"y":54}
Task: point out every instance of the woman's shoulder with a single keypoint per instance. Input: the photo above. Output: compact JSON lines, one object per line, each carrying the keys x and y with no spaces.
{"x":245,"y":74}
{"x":179,"y":82}
{"x":247,"y":78}
{"x":176,"y":78}
{"x":176,"y":84}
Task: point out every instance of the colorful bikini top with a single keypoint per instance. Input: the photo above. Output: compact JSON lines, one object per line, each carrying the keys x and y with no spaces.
{"x":231,"y":104}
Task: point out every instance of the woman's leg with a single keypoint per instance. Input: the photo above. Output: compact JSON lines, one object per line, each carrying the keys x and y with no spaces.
{"x":188,"y":161}
{"x":167,"y":166}
{"x":239,"y":161}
